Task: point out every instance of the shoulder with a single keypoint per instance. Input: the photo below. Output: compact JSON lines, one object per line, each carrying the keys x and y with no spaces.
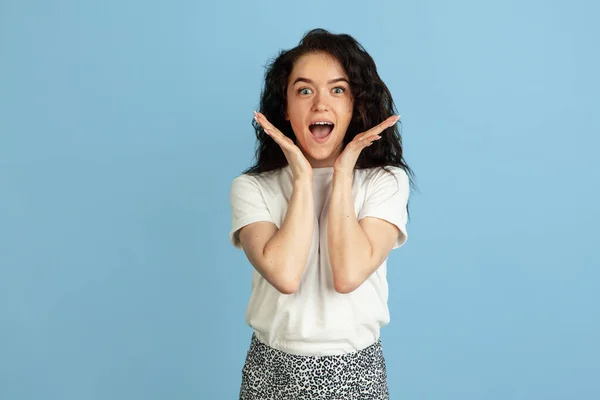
{"x":243,"y":182}
{"x":264,"y":182}
{"x":388,"y":175}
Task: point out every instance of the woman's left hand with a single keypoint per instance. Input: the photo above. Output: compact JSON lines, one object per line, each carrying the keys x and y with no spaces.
{"x":346,"y":161}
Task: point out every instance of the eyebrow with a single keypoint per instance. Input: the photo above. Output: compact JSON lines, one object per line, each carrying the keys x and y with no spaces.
{"x":301,"y":79}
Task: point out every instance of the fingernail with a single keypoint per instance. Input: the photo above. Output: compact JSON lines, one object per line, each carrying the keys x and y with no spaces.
{"x":267,"y":132}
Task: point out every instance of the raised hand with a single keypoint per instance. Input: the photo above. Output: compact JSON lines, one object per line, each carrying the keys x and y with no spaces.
{"x":346,"y":161}
{"x":301,"y":168}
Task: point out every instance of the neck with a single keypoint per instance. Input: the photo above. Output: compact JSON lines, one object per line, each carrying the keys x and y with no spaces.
{"x":324,"y":163}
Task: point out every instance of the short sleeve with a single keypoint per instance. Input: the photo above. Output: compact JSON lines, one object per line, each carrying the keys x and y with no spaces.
{"x":387,"y":199}
{"x":247,"y":206}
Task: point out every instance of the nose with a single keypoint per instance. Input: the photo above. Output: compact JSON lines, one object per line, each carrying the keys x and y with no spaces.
{"x":320,"y":103}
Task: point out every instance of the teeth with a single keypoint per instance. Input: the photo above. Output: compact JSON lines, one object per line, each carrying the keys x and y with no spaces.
{"x":322,"y":123}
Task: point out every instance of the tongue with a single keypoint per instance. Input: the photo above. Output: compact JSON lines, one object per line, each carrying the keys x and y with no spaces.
{"x":321,"y":131}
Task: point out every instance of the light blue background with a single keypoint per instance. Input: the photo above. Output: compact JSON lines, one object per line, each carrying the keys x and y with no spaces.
{"x":122,"y":124}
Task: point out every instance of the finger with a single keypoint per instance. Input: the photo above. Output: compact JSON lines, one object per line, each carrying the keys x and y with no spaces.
{"x":283,"y":141}
{"x":371,"y":137}
{"x":384,"y":125}
{"x":373,"y":141}
{"x":264,"y":122}
{"x":275,"y":133}
{"x":370,"y":140}
{"x":272,"y":131}
{"x":360,"y":144}
{"x":376,"y":130}
{"x":277,"y":136}
{"x":364,"y":142}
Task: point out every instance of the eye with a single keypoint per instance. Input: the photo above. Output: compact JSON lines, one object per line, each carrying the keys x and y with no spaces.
{"x":339,"y":90}
{"x":304,"y":91}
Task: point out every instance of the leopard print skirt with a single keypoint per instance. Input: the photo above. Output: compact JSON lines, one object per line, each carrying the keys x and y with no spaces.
{"x":270,"y":374}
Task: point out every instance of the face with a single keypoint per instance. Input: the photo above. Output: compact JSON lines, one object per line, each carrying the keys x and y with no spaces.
{"x":319,"y":107}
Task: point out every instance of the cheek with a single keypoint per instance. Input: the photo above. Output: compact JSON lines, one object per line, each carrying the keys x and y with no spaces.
{"x":296,"y":121}
{"x":296,"y":115}
{"x":348,"y":109}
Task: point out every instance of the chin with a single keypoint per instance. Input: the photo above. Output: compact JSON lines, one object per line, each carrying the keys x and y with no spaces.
{"x":323,"y":153}
{"x":321,"y":156}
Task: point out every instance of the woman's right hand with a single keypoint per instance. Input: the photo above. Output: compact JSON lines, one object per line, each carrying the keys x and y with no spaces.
{"x":301,"y":168}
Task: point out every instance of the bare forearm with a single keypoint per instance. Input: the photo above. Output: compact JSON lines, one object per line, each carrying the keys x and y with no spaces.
{"x":286,"y":253}
{"x":349,"y":246}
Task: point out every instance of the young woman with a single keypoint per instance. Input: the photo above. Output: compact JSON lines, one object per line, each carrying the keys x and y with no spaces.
{"x":317,"y":216}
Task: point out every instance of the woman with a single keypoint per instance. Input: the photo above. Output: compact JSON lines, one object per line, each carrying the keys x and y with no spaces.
{"x":317,"y":216}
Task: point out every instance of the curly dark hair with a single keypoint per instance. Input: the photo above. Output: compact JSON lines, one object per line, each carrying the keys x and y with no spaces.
{"x":373,"y":103}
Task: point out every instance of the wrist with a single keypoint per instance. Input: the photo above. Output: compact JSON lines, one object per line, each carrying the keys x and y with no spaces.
{"x":304,"y":181}
{"x":343,"y":175}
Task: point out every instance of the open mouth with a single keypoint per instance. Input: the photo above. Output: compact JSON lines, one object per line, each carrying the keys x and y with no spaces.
{"x":321,"y":130}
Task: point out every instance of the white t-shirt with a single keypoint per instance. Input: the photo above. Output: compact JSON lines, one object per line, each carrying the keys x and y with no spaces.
{"x":317,"y":320}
